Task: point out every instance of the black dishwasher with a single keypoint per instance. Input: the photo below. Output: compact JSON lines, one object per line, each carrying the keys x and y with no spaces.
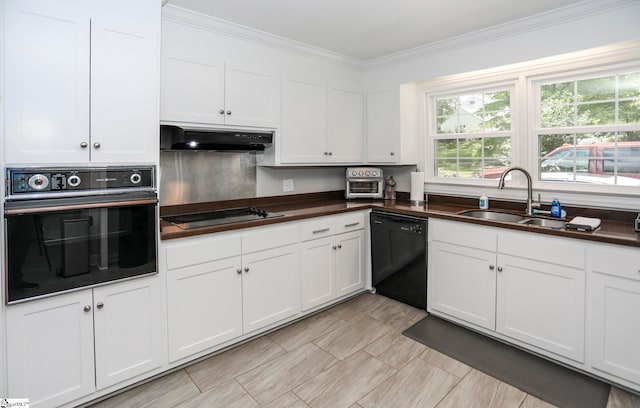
{"x":399,"y":257}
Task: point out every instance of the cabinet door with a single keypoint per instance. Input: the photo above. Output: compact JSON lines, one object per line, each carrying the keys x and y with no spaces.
{"x":204,"y":306}
{"x":124,"y":96}
{"x":345,"y":126}
{"x":383,"y":127}
{"x":541,"y":304}
{"x":318,"y":286}
{"x":304,"y":121}
{"x":462,"y":283}
{"x":270,"y":286}
{"x":50,"y":349}
{"x":128,"y":329}
{"x":192,"y":88}
{"x":47,"y":83}
{"x":251,"y":97}
{"x":349,"y":262}
{"x":615,"y":313}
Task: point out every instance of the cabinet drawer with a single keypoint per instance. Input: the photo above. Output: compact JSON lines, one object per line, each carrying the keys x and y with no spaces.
{"x":263,"y":238}
{"x":198,"y":250}
{"x":559,"y":251}
{"x":318,"y":228}
{"x":349,"y":222}
{"x":622,"y":262}
{"x":462,"y":233}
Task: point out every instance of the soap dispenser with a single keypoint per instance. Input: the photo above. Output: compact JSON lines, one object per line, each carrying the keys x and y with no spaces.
{"x":556,"y":208}
{"x":484,"y":202}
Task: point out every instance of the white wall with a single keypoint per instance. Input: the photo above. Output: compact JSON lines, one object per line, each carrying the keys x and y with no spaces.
{"x":588,"y":25}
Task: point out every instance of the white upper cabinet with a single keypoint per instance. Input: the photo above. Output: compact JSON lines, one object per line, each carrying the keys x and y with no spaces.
{"x":321,"y":122}
{"x":382,"y":126}
{"x":200,"y":86}
{"x":304,"y":121}
{"x":392,"y":125}
{"x":345,"y":134}
{"x":81,"y":83}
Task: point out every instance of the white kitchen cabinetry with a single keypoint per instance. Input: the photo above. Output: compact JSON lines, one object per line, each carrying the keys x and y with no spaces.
{"x":391,"y":132}
{"x":128,"y":330}
{"x":50,"y":342}
{"x":462,"y":277}
{"x":383,"y":125}
{"x":204,"y":89}
{"x":81,"y":82}
{"x":223,"y":286}
{"x":540,"y":297}
{"x":615,"y":313}
{"x":321,"y":122}
{"x":524,"y":286}
{"x":332,"y":258}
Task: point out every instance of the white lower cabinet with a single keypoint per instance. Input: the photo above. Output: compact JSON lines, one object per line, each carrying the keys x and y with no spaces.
{"x":332,"y":262}
{"x":615,"y":313}
{"x":50,"y":342}
{"x":222,"y":286}
{"x":527,"y":287}
{"x":462,"y":283}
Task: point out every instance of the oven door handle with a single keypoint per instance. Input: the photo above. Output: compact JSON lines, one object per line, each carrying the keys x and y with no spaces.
{"x":78,"y":206}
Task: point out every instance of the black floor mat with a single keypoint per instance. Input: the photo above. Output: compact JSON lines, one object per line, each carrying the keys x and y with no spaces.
{"x":534,"y":375}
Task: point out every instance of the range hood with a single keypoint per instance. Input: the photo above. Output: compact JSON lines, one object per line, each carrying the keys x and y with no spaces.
{"x":177,"y":138}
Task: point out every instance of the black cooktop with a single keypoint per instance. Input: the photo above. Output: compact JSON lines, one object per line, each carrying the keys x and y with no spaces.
{"x":219,"y":217}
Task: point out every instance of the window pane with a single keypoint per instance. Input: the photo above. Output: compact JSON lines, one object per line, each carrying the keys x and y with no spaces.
{"x":447,"y":148}
{"x":629,"y":111}
{"x":470,"y":147}
{"x":597,"y":89}
{"x":446,"y":168}
{"x":560,"y":93}
{"x":629,"y":85}
{"x":497,"y":147}
{"x":597,"y":114}
{"x":445,"y":107}
{"x":591,"y":158}
{"x":468,"y":168}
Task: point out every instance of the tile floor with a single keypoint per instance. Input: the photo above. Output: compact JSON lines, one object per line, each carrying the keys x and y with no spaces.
{"x":352,"y":355}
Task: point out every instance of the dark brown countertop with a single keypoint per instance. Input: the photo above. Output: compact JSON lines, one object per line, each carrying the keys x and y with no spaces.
{"x":616,"y":227}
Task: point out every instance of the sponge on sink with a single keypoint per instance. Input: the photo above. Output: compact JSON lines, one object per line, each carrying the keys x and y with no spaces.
{"x":584,"y":224}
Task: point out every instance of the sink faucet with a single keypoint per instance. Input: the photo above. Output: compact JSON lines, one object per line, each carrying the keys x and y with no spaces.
{"x":530,"y":204}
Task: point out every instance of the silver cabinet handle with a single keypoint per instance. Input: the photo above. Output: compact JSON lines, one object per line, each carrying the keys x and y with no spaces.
{"x":330,"y":153}
{"x":499,"y":268}
{"x":100,"y":305}
{"x":84,"y":145}
{"x":321,"y":230}
{"x":238,"y":271}
{"x":97,"y":145}
{"x":246,"y":269}
{"x":340,"y":246}
{"x":335,"y":247}
{"x":393,"y":153}
{"x":353,"y":224}
{"x":228,"y":112}
{"x":377,"y":222}
{"x":492,"y":267}
{"x":221,"y":111}
{"x":87,"y":308}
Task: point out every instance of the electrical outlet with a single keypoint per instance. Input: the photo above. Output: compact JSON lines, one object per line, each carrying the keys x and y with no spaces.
{"x":287,"y":185}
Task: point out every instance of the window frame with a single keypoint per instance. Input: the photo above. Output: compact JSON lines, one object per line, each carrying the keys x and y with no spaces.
{"x":524,"y":144}
{"x":443,"y":91}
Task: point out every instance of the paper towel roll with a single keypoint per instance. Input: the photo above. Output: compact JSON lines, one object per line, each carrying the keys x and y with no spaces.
{"x":417,"y":186}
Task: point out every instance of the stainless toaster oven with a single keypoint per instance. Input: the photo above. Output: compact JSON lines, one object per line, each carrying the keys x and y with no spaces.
{"x":364,"y":182}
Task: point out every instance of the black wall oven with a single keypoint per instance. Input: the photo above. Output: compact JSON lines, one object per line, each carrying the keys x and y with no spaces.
{"x":67,"y":229}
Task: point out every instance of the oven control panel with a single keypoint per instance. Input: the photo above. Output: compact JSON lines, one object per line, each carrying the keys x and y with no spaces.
{"x":364,"y":172}
{"x":51,"y":182}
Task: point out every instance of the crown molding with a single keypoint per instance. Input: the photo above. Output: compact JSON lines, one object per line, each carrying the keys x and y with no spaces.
{"x":551,"y":18}
{"x":205,"y":22}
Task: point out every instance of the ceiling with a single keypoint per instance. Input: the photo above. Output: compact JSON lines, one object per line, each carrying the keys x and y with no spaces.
{"x":368,"y":29}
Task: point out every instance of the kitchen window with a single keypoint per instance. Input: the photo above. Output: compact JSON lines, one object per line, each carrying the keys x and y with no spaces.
{"x":572,"y":121}
{"x":472,"y":132}
{"x":587,"y":128}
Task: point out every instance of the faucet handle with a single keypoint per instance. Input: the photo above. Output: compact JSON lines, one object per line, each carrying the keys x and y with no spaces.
{"x":536,"y":204}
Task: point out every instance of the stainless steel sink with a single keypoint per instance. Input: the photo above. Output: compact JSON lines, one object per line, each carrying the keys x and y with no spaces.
{"x":544,"y":222}
{"x":492,"y":215}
